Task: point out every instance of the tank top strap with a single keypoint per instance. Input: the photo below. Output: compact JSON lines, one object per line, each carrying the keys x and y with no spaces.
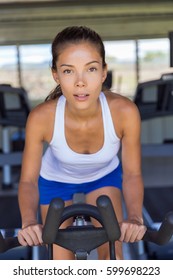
{"x":107,"y":119}
{"x":59,"y":120}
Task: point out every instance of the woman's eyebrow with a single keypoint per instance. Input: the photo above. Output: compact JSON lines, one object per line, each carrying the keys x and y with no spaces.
{"x":94,"y":61}
{"x":69,"y":65}
{"x":66,"y":65}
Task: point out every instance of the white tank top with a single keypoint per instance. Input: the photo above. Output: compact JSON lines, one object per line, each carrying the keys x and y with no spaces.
{"x":60,"y":163}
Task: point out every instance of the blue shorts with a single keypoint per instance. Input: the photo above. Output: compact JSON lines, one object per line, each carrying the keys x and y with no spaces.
{"x":51,"y":189}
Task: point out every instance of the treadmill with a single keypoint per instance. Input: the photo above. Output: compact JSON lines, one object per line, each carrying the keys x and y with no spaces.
{"x":154,"y":100}
{"x":14,"y":110}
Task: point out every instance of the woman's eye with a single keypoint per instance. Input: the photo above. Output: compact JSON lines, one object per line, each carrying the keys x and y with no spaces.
{"x":67,"y":71}
{"x":92,"y":69}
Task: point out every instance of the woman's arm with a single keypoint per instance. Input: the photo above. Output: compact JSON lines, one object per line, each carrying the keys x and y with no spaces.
{"x":133,"y":189}
{"x":28,"y":186}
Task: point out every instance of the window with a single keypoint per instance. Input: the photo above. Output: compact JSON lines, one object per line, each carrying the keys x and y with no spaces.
{"x":154,"y":58}
{"x":8,"y":65}
{"x":36,"y":72}
{"x":120,"y":57}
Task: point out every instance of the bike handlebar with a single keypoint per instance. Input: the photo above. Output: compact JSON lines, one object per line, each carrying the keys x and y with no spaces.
{"x":109,"y":218}
{"x":164,"y":234}
{"x":103,"y":212}
{"x":8,"y":243}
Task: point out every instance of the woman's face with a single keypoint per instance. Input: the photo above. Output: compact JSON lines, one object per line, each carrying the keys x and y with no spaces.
{"x":80,"y":74}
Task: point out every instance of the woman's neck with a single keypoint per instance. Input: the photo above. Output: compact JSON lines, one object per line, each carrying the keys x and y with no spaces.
{"x":85,"y":115}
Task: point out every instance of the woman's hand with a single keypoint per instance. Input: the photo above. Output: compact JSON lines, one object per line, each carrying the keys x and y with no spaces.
{"x":31,"y":235}
{"x":132,"y":231}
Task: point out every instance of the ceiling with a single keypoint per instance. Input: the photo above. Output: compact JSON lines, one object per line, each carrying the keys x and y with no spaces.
{"x":23,"y":22}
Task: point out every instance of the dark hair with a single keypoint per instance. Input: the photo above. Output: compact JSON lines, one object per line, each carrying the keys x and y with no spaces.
{"x":73,"y":35}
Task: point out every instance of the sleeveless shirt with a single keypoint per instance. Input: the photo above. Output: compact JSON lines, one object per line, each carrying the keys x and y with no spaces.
{"x":60,"y":163}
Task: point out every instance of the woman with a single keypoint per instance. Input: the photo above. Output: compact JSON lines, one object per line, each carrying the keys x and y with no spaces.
{"x":84,"y":128}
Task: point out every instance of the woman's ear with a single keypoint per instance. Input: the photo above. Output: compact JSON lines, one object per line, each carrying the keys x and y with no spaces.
{"x":105,"y":71}
{"x":55,"y":76}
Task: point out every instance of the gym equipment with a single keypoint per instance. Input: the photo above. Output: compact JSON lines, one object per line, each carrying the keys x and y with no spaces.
{"x":154,"y":100}
{"x":81,"y":239}
{"x":14,"y":110}
{"x":170,"y":35}
{"x":89,"y":236}
{"x":10,"y":222}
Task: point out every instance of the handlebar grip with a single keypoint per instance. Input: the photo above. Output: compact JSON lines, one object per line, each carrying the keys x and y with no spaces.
{"x":53,"y":220}
{"x":165,"y":232}
{"x":2,"y":244}
{"x":8,"y":243}
{"x":109,"y":218}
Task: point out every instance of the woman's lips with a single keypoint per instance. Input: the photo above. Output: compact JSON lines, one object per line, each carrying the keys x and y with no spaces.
{"x":81,"y":97}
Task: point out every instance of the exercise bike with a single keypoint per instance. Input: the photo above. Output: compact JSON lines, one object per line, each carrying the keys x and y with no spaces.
{"x":82,"y":238}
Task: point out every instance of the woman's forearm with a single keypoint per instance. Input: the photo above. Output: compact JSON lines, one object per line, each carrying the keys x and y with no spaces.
{"x":133,"y":192}
{"x":28,"y":203}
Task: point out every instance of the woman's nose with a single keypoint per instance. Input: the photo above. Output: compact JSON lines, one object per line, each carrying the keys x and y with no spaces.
{"x":80,"y":80}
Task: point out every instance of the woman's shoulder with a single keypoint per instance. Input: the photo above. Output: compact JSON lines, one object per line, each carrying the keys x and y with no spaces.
{"x":41,"y":120}
{"x":119,"y":102}
{"x":44,"y":110}
{"x":123,"y":110}
{"x":42,"y":115}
